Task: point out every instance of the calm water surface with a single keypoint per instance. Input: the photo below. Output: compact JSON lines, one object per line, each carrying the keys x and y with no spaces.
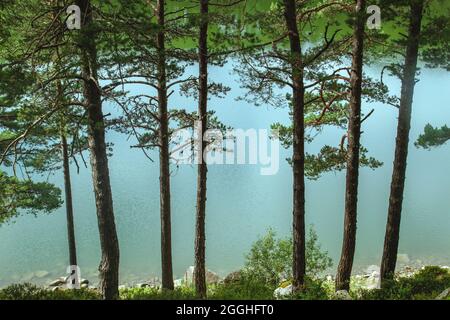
{"x":242,"y":204}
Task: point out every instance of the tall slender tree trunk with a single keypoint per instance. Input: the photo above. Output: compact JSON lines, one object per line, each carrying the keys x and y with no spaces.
{"x":354,"y":134}
{"x":66,"y":165}
{"x":109,"y":266}
{"x":68,"y":201}
{"x":298,"y":158}
{"x":391,"y":239}
{"x":200,"y":237}
{"x":164,"y":156}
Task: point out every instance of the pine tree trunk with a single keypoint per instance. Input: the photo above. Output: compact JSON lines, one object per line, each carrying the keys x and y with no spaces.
{"x":66,"y":166}
{"x":354,"y":135}
{"x":391,"y":240}
{"x":109,"y":266}
{"x":164,"y":156}
{"x":200,"y":237}
{"x":298,"y":158}
{"x":69,"y":203}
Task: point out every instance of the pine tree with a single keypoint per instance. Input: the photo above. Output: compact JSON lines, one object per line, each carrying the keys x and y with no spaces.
{"x":109,"y":265}
{"x":200,"y":236}
{"x":353,"y":137}
{"x":319,"y":93}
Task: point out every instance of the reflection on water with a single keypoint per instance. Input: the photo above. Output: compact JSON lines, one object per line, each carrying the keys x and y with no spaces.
{"x":242,"y":204}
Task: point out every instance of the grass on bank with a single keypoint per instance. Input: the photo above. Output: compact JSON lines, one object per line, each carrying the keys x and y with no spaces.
{"x":427,"y":284}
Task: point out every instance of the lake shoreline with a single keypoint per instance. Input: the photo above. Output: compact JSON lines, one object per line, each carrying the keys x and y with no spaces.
{"x":365,"y":279}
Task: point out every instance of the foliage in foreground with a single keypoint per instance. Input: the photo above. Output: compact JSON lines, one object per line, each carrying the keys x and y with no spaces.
{"x":426,"y":284}
{"x":28,"y":291}
{"x":152,"y":293}
{"x":269,"y":265}
{"x":270,"y":258}
{"x":246,"y":286}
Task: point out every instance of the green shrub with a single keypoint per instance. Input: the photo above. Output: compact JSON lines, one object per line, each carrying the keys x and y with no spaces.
{"x":79,"y":294}
{"x":181,"y":293}
{"x":250,"y":287}
{"x":28,"y":291}
{"x":315,"y":289}
{"x":426,"y":284}
{"x":271,"y":258}
{"x":269,"y":262}
{"x":247,"y":287}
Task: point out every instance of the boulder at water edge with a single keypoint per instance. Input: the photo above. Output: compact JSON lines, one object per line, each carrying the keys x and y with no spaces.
{"x":444,"y":295}
{"x":342,"y":295}
{"x":188,"y":279}
{"x":282,"y":292}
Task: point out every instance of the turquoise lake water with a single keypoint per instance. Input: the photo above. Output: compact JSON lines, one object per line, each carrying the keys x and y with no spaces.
{"x":242,"y":204}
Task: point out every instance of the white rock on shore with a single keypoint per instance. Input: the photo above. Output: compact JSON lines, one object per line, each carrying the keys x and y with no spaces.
{"x":61,"y":283}
{"x":282,"y":292}
{"x":58,"y":282}
{"x":342,"y":295}
{"x":188,"y":278}
{"x":374,"y":281}
{"x":178,"y":283}
{"x":444,"y":295}
{"x":371,"y":269}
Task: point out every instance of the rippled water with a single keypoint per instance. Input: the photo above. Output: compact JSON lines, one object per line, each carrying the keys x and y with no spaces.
{"x":242,"y":204}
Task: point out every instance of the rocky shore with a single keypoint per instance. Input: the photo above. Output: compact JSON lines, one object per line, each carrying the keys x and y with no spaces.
{"x":368,"y":280}
{"x":364,"y":278}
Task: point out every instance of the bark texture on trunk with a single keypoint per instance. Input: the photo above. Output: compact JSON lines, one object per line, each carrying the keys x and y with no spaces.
{"x":298,"y":158}
{"x":354,"y":134}
{"x":392,"y":235}
{"x":109,"y":265}
{"x":164,"y":156}
{"x":69,"y":202}
{"x":200,"y":236}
